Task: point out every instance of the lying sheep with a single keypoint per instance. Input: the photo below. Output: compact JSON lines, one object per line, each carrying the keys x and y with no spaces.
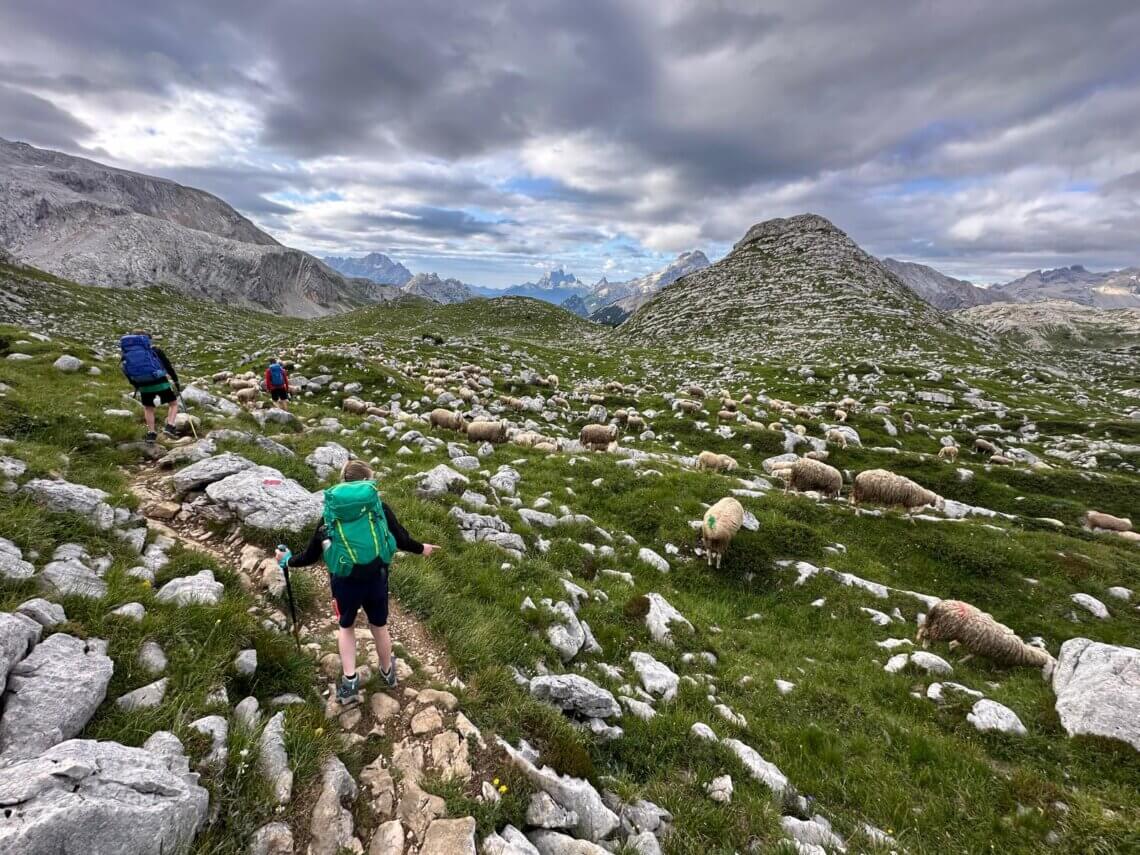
{"x":963,"y":624}
{"x":1001,"y":460}
{"x":948,"y":453}
{"x":710,"y":460}
{"x":747,"y":398}
{"x":810,"y":474}
{"x":841,"y":416}
{"x":1107,"y":522}
{"x":801,"y":430}
{"x":598,"y":437}
{"x":725,"y":415}
{"x":720,"y":524}
{"x":984,"y":446}
{"x":887,"y":488}
{"x":484,"y":430}
{"x":449,"y":419}
{"x":837,"y":436}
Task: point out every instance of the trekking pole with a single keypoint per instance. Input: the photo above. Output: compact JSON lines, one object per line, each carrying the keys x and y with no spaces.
{"x":284,"y":564}
{"x":185,"y":409}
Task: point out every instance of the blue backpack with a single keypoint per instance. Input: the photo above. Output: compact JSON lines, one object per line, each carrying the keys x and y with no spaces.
{"x":276,"y":375}
{"x":139,"y":361}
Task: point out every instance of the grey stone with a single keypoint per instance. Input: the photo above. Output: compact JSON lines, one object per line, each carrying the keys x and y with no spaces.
{"x":1098,"y":690}
{"x":65,"y":497}
{"x":168,"y":746}
{"x":656,"y":677}
{"x":273,"y":762}
{"x":100,"y":798}
{"x":72,"y":578}
{"x":209,"y":470}
{"x":990,"y":715}
{"x":544,"y":812}
{"x":264,"y":498}
{"x":147,"y":696}
{"x":18,"y":635}
{"x":246,"y":662}
{"x":67,"y":364}
{"x":766,"y":773}
{"x":151,"y":657}
{"x":439,"y":482}
{"x":388,"y":839}
{"x":45,"y":613}
{"x":247,"y":714}
{"x":566,"y":635}
{"x":556,"y":843}
{"x":660,"y":617}
{"x":1092,"y":605}
{"x":13,"y":567}
{"x":509,"y":841}
{"x":12,"y":468}
{"x":653,"y":559}
{"x":218,"y":729}
{"x":450,"y":837}
{"x":200,"y":588}
{"x":275,"y":838}
{"x":719,"y":789}
{"x":327,"y":460}
{"x":130,"y":611}
{"x":812,"y":833}
{"x":52,"y":694}
{"x":331,"y":827}
{"x":506,"y":480}
{"x":575,"y":694}
{"x":595,"y":820}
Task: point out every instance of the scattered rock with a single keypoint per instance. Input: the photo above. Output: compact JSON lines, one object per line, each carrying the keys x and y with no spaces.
{"x":1098,"y":690}
{"x":150,"y":695}
{"x":450,"y":837}
{"x":331,"y":827}
{"x":990,"y":715}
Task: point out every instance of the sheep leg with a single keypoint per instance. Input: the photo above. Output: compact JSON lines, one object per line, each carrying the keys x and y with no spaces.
{"x":955,"y":644}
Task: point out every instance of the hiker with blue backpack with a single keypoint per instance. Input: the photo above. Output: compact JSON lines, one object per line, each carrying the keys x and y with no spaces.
{"x":357,"y":538}
{"x":156,"y":382}
{"x":277,"y":384}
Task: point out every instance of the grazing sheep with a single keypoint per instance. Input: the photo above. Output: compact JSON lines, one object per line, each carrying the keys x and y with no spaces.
{"x":449,"y":419}
{"x":849,"y":404}
{"x":620,"y":416}
{"x":963,"y":624}
{"x":800,"y":430}
{"x":841,"y":416}
{"x":635,"y":423}
{"x":485,"y":430}
{"x":810,"y":474}
{"x":908,"y":418}
{"x":710,"y":460}
{"x":598,"y":437}
{"x":887,"y":488}
{"x":615,"y":387}
{"x":725,"y":415}
{"x":552,"y":379}
{"x":466,"y":394}
{"x":720,"y":524}
{"x":984,"y":446}
{"x":838,"y":437}
{"x":776,"y":427}
{"x":695,"y":391}
{"x":353,"y":405}
{"x":728,"y":404}
{"x":948,"y":453}
{"x":1001,"y":460}
{"x":687,"y":406}
{"x":560,"y":402}
{"x":1096,"y":519}
{"x":804,"y":412}
{"x":246,"y":395}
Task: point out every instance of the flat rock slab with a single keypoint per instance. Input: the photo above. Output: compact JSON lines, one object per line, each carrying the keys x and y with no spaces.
{"x":100,"y":798}
{"x":1098,"y":690}
{"x":200,"y":588}
{"x":575,"y":694}
{"x":70,"y":578}
{"x":208,"y":470}
{"x":52,"y":694}
{"x":450,"y":837}
{"x":64,"y":497}
{"x":264,"y":498}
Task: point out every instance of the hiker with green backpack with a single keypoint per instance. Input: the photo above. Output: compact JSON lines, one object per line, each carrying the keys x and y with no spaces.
{"x":357,"y":538}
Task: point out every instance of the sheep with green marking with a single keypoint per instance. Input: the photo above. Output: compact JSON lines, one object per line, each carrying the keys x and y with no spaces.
{"x":719,"y":525}
{"x":968,"y":626}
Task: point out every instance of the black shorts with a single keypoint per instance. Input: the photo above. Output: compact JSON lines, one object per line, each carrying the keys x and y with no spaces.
{"x":163,"y":396}
{"x":365,"y":589}
{"x":279,"y":394}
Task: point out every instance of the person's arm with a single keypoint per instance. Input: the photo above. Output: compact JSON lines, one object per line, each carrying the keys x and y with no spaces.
{"x":167,"y":367}
{"x":314,"y":552}
{"x":404,"y":541}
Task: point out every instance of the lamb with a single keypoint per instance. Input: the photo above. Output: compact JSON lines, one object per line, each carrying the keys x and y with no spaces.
{"x":887,"y":488}
{"x":963,"y":624}
{"x":598,"y":437}
{"x":837,"y":436}
{"x":841,"y":416}
{"x":948,"y":453}
{"x":809,"y":474}
{"x":984,"y":446}
{"x":720,"y":524}
{"x":1107,"y":522}
{"x":710,"y":460}
{"x":485,"y":430}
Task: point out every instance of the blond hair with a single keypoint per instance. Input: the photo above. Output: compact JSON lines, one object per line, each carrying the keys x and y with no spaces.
{"x":356,"y":470}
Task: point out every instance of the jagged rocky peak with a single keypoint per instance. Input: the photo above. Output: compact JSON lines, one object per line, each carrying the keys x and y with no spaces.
{"x":375,"y":266}
{"x":938,"y":289}
{"x":432,"y":287}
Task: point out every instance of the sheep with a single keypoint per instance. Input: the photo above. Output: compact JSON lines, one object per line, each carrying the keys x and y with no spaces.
{"x":817,"y":455}
{"x":485,"y":430}
{"x":596,"y":399}
{"x":725,"y":415}
{"x":1107,"y":522}
{"x":635,"y":423}
{"x":984,"y":446}
{"x":620,"y":416}
{"x":776,"y":427}
{"x":728,"y":404}
{"x":547,"y":446}
{"x":849,"y":404}
{"x":1001,"y":460}
{"x":560,"y":402}
{"x":246,"y":395}
{"x":908,"y":418}
{"x":948,"y":453}
{"x":449,"y":419}
{"x":837,"y":436}
{"x":887,"y":488}
{"x":720,"y":524}
{"x":747,"y":398}
{"x":466,"y":394}
{"x":353,"y":405}
{"x":841,"y":416}
{"x":598,"y":437}
{"x":804,"y":412}
{"x":710,"y":460}
{"x":687,"y":406}
{"x":801,"y":430}
{"x":810,"y":474}
{"x":963,"y":624}
{"x":615,"y":387}
{"x":695,"y":391}
{"x":552,"y":380}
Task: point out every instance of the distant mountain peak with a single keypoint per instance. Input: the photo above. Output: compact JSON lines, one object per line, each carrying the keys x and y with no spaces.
{"x":374,"y":266}
{"x":938,"y":289}
{"x":431,"y":287}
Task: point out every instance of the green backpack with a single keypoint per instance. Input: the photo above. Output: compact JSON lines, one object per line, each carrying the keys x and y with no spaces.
{"x":355,"y":527}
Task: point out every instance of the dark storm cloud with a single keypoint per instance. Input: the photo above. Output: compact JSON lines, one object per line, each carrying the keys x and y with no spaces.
{"x":29,"y":118}
{"x":423,"y":220}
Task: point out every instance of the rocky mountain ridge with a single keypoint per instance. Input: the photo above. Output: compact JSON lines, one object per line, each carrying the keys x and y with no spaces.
{"x":1112,"y":289}
{"x":375,"y":267}
{"x":430,"y":286}
{"x":939,"y":290}
{"x":96,"y":224}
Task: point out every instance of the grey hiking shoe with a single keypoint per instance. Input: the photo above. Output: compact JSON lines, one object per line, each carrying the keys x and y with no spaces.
{"x":348,"y":691}
{"x":390,"y":675}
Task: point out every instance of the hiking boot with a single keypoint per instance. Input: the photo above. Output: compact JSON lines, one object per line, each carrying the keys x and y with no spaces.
{"x":169,"y":430}
{"x":151,"y":437}
{"x":390,"y":675}
{"x":348,"y":691}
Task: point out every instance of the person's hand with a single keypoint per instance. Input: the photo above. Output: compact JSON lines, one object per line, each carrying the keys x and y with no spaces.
{"x":282,"y":555}
{"x":429,"y":548}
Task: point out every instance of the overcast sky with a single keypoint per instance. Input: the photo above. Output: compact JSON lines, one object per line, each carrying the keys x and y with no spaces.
{"x":491,"y":140}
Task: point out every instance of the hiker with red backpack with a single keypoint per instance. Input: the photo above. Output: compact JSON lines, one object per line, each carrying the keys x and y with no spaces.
{"x":156,"y":382}
{"x":277,"y":384}
{"x":357,"y":537}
